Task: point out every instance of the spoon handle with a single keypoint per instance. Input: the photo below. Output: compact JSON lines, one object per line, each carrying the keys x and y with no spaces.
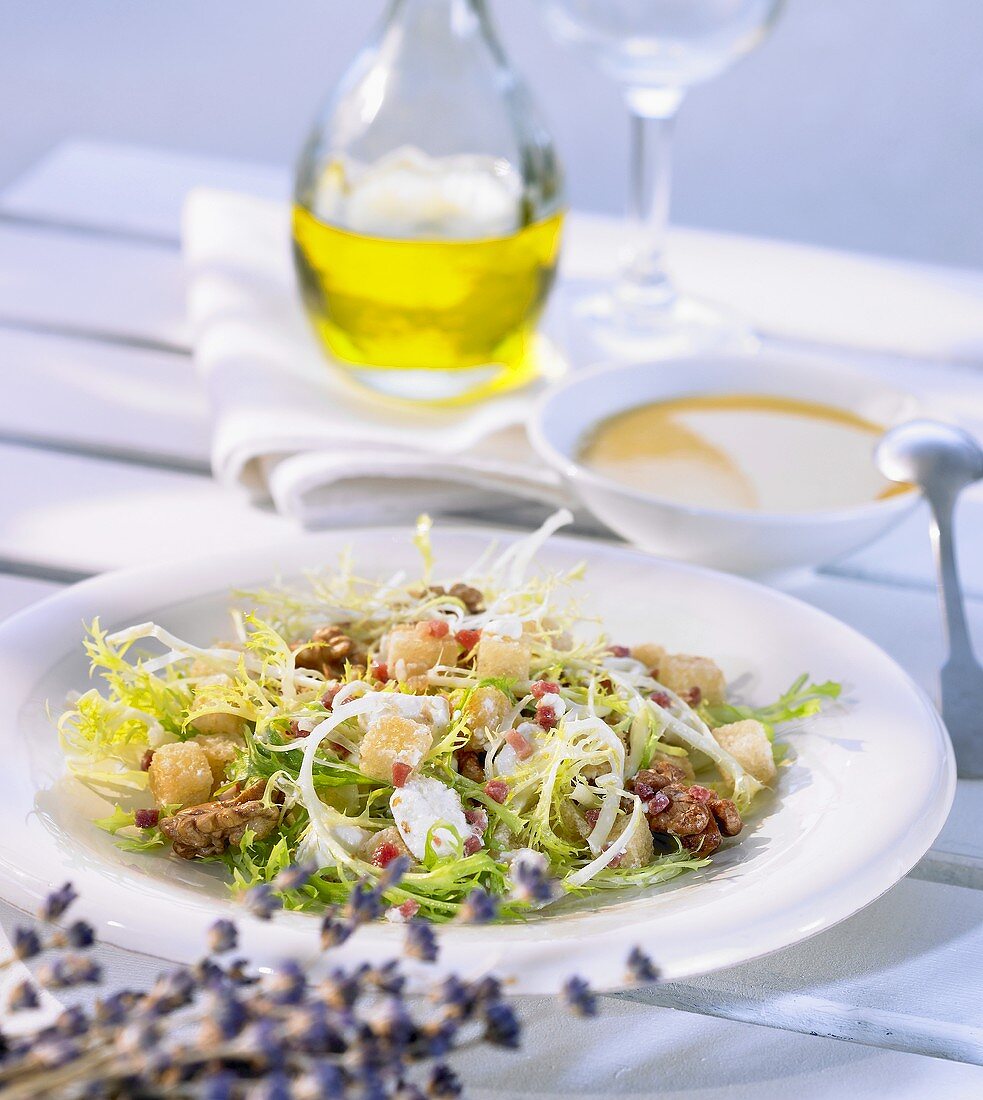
{"x":954,"y":623}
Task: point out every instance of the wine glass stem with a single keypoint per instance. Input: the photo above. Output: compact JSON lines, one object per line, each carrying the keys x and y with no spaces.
{"x":644,"y":280}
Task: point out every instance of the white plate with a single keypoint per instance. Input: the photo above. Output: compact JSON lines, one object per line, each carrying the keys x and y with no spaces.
{"x":866,"y":794}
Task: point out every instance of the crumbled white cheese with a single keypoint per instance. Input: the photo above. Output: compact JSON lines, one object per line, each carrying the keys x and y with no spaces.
{"x":557,"y":702}
{"x":431,"y":710}
{"x":422,"y":803}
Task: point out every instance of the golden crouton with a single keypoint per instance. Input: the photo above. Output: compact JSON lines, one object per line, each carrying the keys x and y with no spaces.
{"x":221,"y":752}
{"x":650,"y":655}
{"x":695,"y":679}
{"x":220,"y":724}
{"x":748,"y":743}
{"x":639,"y":851}
{"x":391,"y":739}
{"x":504,"y":658}
{"x":573,"y":822}
{"x":180,"y":775}
{"x":375,"y":845}
{"x":486,"y":711}
{"x":414,"y":650}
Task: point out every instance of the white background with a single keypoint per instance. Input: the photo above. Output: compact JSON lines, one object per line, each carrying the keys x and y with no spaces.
{"x":858,"y":125}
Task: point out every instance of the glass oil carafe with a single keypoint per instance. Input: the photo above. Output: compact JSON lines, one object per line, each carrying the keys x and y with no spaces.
{"x":428,"y":209}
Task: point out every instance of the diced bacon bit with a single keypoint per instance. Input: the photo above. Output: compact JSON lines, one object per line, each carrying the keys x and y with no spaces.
{"x":615,"y":861}
{"x":146,"y":760}
{"x":657,"y":804}
{"x":472,"y":844}
{"x":477,"y":819}
{"x":591,"y":817}
{"x":497,"y":790}
{"x":294,"y":732}
{"x":654,"y":673}
{"x":700,"y":794}
{"x":146,"y":819}
{"x":401,"y":772}
{"x":545,"y":717}
{"x":619,"y":651}
{"x":661,"y":699}
{"x":467,"y":639}
{"x":544,"y":687}
{"x":380,"y":670}
{"x":693,"y":696}
{"x":339,"y":749}
{"x":328,"y":697}
{"x":435,"y":628}
{"x":384,"y":854}
{"x":400,"y":914}
{"x":520,"y":743}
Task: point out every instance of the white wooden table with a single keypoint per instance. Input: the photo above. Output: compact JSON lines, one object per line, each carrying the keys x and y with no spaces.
{"x":104,"y":463}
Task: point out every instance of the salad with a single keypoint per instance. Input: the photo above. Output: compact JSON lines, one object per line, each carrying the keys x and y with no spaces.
{"x":474,"y":727}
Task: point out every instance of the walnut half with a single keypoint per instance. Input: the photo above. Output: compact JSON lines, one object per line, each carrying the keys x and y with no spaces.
{"x":208,"y":829}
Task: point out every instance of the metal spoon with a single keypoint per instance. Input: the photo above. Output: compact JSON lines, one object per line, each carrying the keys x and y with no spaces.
{"x":942,"y":460}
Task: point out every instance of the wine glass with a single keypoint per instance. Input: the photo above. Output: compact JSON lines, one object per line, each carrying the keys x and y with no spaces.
{"x":656,"y":50}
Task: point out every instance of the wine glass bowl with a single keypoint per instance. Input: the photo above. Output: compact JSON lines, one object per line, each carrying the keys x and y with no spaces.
{"x":656,"y":50}
{"x":662,"y":44}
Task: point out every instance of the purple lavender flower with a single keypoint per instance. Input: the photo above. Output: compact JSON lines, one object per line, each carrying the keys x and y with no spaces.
{"x":443,"y":1084}
{"x":223,"y":936}
{"x":68,"y":971}
{"x":420,"y":942}
{"x":262,"y":902}
{"x":335,"y":931}
{"x":79,"y":934}
{"x":578,"y":997}
{"x":479,"y":907}
{"x":293,"y":878}
{"x":640,"y":967}
{"x":502,"y":1027}
{"x":26,"y":943}
{"x":286,"y":985}
{"x":23,"y":996}
{"x":57,"y":902}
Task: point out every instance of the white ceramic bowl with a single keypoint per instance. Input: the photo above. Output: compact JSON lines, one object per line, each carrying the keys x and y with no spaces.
{"x":738,"y":541}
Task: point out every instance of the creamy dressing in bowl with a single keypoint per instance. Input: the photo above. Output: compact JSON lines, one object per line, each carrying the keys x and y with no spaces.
{"x":741,"y":451}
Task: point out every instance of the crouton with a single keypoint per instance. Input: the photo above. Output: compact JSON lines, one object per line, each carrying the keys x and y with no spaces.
{"x":393,"y":739}
{"x":650,"y":655}
{"x":486,"y":711}
{"x":505,"y":658}
{"x":180,"y":775}
{"x":573,"y":822}
{"x":748,"y":743}
{"x":220,"y":724}
{"x":414,"y":649}
{"x":220,"y":751}
{"x":640,"y":850}
{"x":695,"y":679}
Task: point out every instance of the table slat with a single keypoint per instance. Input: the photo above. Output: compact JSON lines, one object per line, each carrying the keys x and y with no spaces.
{"x":142,"y":405}
{"x":894,"y":976}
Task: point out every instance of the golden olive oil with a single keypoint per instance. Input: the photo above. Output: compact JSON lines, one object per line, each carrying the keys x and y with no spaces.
{"x":403,"y":303}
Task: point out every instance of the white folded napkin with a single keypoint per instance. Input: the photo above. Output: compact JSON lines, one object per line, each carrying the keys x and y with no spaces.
{"x":290,"y":428}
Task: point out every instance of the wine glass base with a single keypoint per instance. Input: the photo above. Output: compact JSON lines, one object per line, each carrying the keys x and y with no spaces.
{"x":681,"y":326}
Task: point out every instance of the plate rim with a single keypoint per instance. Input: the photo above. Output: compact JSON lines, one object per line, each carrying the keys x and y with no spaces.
{"x":545,"y":976}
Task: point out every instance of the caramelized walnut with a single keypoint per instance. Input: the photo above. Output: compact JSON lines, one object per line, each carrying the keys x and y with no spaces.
{"x":327,"y":652}
{"x":472,"y":598}
{"x":694,"y":814}
{"x":208,"y":829}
